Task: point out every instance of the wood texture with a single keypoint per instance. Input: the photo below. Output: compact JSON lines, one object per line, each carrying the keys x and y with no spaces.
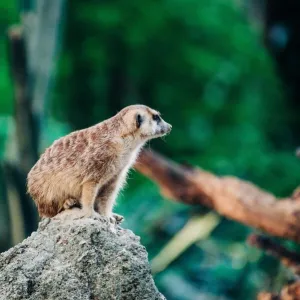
{"x":231,"y":197}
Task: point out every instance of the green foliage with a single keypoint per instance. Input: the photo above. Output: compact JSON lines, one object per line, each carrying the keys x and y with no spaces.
{"x":8,"y":15}
{"x":202,"y":65}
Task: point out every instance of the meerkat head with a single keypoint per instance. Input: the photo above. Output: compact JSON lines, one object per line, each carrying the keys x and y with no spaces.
{"x":146,"y":123}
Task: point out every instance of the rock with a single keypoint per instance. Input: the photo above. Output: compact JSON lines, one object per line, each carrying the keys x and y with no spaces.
{"x":87,"y":259}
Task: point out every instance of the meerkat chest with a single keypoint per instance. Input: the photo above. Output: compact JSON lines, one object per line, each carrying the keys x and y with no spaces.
{"x":129,"y":158}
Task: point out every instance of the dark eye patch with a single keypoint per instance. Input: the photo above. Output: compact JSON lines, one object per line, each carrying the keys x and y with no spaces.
{"x":139,"y":121}
{"x":156,"y":118}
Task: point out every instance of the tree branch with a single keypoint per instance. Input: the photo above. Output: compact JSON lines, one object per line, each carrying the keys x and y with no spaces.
{"x":289,"y":292}
{"x":229,"y":196}
{"x":288,"y":258}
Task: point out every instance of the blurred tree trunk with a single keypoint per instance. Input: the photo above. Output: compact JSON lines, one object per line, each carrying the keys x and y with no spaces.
{"x":26,"y":131}
{"x":4,"y":220}
{"x":80,"y":100}
{"x":32,"y":47}
{"x":280,"y":24}
{"x":282,"y":37}
{"x":118,"y":85}
{"x":42,"y":25}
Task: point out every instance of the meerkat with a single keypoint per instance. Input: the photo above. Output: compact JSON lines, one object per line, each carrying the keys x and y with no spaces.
{"x":88,"y":167}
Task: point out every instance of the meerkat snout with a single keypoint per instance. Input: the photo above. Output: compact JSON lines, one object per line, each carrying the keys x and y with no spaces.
{"x":165,"y":128}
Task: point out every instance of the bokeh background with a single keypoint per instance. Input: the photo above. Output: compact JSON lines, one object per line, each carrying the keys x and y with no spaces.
{"x":224,"y":73}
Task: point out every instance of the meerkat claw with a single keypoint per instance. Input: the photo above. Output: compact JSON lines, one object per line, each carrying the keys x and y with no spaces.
{"x":116,"y":219}
{"x":88,"y":214}
{"x":69,"y":203}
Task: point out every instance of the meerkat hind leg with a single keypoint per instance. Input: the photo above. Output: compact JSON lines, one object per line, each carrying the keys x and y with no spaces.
{"x":70,"y":203}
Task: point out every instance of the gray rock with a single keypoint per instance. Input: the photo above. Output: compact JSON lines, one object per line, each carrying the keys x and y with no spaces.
{"x":77,"y":259}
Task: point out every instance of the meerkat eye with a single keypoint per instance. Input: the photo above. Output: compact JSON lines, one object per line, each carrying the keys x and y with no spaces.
{"x":156,"y":118}
{"x":139,"y":121}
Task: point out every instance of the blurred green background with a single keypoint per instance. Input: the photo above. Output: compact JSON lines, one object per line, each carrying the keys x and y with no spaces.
{"x":221,"y":74}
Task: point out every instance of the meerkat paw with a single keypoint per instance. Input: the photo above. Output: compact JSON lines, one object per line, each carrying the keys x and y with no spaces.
{"x":89,"y":214}
{"x":70,"y":203}
{"x":116,"y":219}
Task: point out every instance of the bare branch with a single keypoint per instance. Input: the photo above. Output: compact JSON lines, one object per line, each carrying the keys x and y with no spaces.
{"x":229,"y":196}
{"x":288,"y":258}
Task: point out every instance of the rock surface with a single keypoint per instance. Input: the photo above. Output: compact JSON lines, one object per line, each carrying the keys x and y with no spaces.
{"x":87,"y":259}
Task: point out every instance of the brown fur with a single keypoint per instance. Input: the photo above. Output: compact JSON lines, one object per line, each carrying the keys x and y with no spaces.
{"x":90,"y":165}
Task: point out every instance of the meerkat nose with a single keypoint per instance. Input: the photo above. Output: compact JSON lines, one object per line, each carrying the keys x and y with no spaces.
{"x":169,"y":128}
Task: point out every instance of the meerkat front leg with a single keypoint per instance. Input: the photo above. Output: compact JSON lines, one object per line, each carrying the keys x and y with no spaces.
{"x":105,"y":201}
{"x":88,"y":196}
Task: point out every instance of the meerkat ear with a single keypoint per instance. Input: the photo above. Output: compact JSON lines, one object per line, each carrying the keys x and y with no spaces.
{"x":139,"y":120}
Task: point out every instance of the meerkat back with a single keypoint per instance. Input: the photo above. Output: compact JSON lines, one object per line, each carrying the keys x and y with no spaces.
{"x":55,"y":174}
